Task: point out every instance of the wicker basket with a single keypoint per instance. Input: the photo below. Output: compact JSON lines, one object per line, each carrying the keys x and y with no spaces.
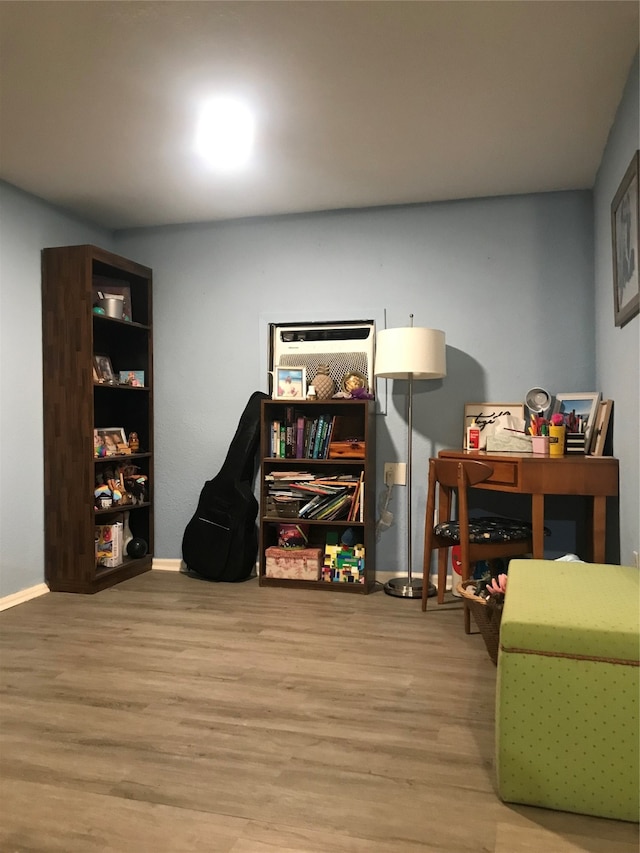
{"x":487,"y":618}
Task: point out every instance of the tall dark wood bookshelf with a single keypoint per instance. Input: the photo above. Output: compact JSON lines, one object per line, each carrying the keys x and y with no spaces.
{"x":75,"y":404}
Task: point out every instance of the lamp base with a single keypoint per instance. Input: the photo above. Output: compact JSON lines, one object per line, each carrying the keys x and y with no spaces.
{"x":406,"y":587}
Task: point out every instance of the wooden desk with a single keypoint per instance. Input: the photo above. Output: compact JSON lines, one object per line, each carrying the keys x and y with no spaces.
{"x":594,"y":477}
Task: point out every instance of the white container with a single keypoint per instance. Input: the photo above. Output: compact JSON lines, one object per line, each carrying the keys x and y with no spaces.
{"x":473,"y":437}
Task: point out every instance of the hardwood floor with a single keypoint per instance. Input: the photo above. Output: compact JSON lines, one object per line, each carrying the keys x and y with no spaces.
{"x":173,"y":715}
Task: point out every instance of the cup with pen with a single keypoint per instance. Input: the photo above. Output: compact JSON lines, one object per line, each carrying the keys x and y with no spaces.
{"x":539,"y":432}
{"x":557,"y":434}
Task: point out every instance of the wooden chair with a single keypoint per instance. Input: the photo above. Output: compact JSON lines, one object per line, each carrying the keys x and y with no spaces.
{"x":488,"y":539}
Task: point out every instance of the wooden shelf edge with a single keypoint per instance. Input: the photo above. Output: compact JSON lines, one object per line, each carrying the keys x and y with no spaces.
{"x":358,"y":588}
{"x":112,"y":509}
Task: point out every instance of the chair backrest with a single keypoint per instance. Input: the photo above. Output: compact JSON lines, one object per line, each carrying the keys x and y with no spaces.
{"x":454,"y":475}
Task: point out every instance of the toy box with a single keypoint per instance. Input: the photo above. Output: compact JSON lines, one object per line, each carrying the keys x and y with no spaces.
{"x":109,"y":538}
{"x":302,"y":564}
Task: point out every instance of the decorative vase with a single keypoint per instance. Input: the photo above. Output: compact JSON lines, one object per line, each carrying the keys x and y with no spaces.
{"x":323,"y":383}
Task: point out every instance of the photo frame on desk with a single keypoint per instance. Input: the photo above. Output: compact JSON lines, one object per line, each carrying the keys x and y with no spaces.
{"x":625,"y":237}
{"x":601,"y":427}
{"x":583,"y":404}
{"x":486,"y":417}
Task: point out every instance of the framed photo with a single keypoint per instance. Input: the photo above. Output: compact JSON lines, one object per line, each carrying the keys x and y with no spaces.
{"x":290,"y":383}
{"x":583,"y":406}
{"x":625,"y":236}
{"x":486,"y":416}
{"x":103,"y":369}
{"x":601,"y":427}
{"x":135,"y":378}
{"x":110,"y":441}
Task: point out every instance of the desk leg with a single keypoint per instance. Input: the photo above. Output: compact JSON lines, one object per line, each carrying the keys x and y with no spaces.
{"x":599,"y":528}
{"x":537,"y":520}
{"x":442,"y":573}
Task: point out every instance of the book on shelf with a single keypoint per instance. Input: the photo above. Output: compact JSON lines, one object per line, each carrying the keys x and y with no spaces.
{"x":297,"y":436}
{"x":322,"y":498}
{"x":275,"y":438}
{"x":300,"y":421}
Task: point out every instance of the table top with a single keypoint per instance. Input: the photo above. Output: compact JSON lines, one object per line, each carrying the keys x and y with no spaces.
{"x":529,"y":473}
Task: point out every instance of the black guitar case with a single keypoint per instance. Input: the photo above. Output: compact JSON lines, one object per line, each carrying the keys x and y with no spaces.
{"x":220,"y":543}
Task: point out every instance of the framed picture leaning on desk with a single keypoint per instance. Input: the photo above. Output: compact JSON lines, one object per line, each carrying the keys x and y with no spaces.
{"x":486,"y":417}
{"x":601,"y":427}
{"x":581,"y":407}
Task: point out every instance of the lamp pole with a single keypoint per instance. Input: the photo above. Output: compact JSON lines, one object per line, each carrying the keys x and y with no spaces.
{"x":409,"y":354}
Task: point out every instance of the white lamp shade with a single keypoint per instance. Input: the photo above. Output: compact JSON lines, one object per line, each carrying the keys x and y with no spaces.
{"x":411,"y":352}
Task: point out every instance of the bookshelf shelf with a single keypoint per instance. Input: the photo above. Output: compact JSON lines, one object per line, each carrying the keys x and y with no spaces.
{"x":348,"y":419}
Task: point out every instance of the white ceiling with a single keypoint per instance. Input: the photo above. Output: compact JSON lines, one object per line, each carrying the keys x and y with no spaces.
{"x":358,"y":103}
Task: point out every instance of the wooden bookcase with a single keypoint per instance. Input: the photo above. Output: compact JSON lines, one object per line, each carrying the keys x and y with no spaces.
{"x":74,"y":404}
{"x":357,"y":420}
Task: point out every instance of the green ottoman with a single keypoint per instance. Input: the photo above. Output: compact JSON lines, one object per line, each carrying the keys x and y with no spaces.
{"x":567,"y":728}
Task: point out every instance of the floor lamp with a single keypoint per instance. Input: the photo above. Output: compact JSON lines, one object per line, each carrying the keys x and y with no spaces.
{"x":410,"y":353}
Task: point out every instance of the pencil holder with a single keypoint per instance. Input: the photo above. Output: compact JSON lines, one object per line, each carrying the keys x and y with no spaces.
{"x":556,"y":440}
{"x":540,"y":444}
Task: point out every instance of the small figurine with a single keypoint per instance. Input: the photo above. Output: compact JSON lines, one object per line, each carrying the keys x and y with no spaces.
{"x":134,"y":442}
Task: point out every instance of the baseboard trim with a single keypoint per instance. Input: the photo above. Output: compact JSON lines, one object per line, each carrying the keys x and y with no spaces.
{"x":22,"y":596}
{"x":165,"y":565}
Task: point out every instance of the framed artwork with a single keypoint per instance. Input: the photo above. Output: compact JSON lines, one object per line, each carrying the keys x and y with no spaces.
{"x":290,"y":383}
{"x":486,"y":416}
{"x":110,"y":441}
{"x":625,"y":236}
{"x":582,"y":406}
{"x":102,"y":369}
{"x":601,"y":427}
{"x":135,"y":378}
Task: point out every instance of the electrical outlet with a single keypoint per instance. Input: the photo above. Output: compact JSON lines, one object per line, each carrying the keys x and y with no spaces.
{"x":395,"y":473}
{"x":635,"y":557}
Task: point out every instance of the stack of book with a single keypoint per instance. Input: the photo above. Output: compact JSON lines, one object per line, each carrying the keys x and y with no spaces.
{"x":300,"y":437}
{"x":303,"y":495}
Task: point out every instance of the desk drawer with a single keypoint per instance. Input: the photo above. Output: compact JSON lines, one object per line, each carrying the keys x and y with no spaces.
{"x":504,"y":474}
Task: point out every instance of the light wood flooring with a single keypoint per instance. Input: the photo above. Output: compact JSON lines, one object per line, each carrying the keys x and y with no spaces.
{"x":173,"y":715}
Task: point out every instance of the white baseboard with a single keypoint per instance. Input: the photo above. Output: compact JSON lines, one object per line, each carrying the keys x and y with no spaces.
{"x":22,"y":596}
{"x":164,"y":565}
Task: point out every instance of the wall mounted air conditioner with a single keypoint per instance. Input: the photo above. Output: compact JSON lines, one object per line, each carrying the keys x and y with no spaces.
{"x":346,"y":346}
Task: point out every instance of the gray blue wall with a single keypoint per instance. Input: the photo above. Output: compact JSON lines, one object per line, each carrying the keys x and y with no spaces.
{"x":521,"y":285}
{"x":27,"y":225}
{"x":500,"y":276}
{"x":618,"y":350}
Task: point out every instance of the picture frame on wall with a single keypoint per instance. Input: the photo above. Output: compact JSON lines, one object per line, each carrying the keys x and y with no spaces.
{"x":290,"y":383}
{"x":486,"y":416}
{"x":625,"y":236}
{"x":582,"y":405}
{"x":601,"y":427}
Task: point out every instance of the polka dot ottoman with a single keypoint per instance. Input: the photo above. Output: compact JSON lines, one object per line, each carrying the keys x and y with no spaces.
{"x":567,"y":729}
